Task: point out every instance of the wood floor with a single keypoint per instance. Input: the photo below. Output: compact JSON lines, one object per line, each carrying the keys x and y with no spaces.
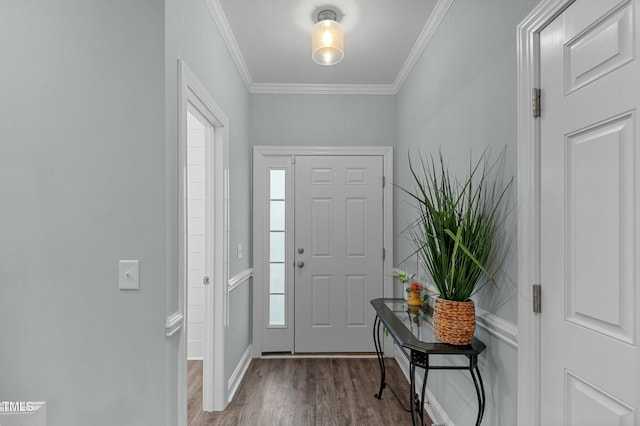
{"x":301,"y":392}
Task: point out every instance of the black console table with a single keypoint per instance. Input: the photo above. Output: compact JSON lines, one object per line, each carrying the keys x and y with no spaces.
{"x":412,"y":330}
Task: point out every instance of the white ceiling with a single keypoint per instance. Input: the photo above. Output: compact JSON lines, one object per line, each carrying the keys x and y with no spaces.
{"x":273,"y":41}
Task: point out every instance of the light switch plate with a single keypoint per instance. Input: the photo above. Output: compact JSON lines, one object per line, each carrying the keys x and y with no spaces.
{"x":129,"y":275}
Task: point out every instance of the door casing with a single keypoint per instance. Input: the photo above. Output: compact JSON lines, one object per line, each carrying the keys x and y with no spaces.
{"x":259,"y":230}
{"x":528,"y":134}
{"x":193,"y":95}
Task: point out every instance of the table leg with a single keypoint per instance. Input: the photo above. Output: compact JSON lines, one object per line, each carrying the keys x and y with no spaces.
{"x":380,"y":355}
{"x":479,"y":392}
{"x":424,"y":387}
{"x":412,"y":384}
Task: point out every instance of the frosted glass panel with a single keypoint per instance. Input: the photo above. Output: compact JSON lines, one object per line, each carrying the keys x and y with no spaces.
{"x":276,"y":216}
{"x":276,"y":278}
{"x":276,"y":309}
{"x":277,"y":223}
{"x":276,"y":247}
{"x":277,"y":185}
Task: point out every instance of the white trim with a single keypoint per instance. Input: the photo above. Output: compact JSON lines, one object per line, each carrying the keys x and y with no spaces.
{"x":238,"y":373}
{"x":423,"y":40}
{"x":238,"y":279}
{"x":497,"y":327}
{"x":174,"y":323}
{"x":324,"y":89}
{"x":529,"y":333}
{"x":431,"y":405}
{"x":218,"y":15}
{"x":261,"y":152}
{"x":193,"y":95}
{"x":319,"y":356}
{"x":283,"y":151}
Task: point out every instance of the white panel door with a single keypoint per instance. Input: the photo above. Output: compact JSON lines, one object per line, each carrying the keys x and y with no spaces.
{"x":590,"y":199}
{"x":338,"y":251}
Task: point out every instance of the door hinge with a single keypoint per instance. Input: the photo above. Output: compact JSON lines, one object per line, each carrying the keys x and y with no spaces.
{"x":384,"y":253}
{"x":535,"y":102}
{"x":384,"y":181}
{"x":537,"y":298}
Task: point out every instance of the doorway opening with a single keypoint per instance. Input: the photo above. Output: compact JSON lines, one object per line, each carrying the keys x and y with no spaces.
{"x":199,"y":268}
{"x":203,"y":230}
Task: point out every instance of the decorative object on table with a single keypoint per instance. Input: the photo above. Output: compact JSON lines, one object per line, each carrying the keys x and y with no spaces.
{"x":454,"y":237}
{"x":415,"y":290}
{"x":405,"y":280}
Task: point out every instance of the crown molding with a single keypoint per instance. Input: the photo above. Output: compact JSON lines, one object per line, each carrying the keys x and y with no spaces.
{"x":423,"y":40}
{"x":324,"y":89}
{"x":218,"y":15}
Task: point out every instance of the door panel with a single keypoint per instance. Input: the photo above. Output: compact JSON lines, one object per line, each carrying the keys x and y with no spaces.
{"x":590,"y":195}
{"x":339,"y":227}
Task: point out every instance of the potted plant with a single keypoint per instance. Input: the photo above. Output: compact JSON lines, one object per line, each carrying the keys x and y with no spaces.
{"x":454,"y":238}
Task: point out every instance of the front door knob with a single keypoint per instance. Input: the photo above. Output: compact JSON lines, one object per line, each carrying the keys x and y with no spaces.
{"x":300,"y":264}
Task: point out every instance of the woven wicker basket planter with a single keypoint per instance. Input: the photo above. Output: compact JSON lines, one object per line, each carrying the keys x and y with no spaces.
{"x":454,"y":322}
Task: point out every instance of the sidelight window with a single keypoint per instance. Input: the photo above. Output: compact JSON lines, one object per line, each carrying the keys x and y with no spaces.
{"x":277,"y":248}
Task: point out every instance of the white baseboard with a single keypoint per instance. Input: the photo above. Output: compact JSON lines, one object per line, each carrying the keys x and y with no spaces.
{"x":318,"y":356}
{"x":431,"y":404}
{"x":238,"y":373}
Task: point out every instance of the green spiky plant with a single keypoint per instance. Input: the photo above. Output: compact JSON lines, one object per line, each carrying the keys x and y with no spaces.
{"x":456,"y":228}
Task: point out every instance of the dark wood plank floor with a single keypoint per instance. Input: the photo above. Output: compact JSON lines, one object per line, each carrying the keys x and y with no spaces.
{"x":301,"y":392}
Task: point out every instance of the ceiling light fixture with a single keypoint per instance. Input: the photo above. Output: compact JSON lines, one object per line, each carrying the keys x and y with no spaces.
{"x":327,"y":39}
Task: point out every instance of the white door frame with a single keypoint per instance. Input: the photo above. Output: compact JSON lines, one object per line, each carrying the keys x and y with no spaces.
{"x":193,"y":95}
{"x":259,"y":271}
{"x":529,"y":331}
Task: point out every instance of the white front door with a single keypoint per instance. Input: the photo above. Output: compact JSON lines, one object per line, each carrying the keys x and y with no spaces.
{"x":338,"y":251}
{"x":590,"y":204}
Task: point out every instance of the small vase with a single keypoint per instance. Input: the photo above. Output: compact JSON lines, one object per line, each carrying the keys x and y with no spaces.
{"x":454,"y":322}
{"x":415,"y":298}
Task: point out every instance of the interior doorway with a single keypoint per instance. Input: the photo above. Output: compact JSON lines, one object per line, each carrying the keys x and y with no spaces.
{"x":203,"y":254}
{"x":199,"y":267}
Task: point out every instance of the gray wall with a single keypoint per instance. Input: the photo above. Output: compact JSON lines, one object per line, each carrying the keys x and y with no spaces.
{"x":323,"y":120}
{"x":461,"y":96}
{"x":193,"y":36}
{"x":88,"y":165}
{"x":82,"y":185}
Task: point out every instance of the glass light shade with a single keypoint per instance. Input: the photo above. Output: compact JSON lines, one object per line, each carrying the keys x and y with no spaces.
{"x":327,"y":43}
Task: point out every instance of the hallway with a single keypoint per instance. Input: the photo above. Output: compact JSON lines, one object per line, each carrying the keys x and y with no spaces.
{"x":306,"y":392}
